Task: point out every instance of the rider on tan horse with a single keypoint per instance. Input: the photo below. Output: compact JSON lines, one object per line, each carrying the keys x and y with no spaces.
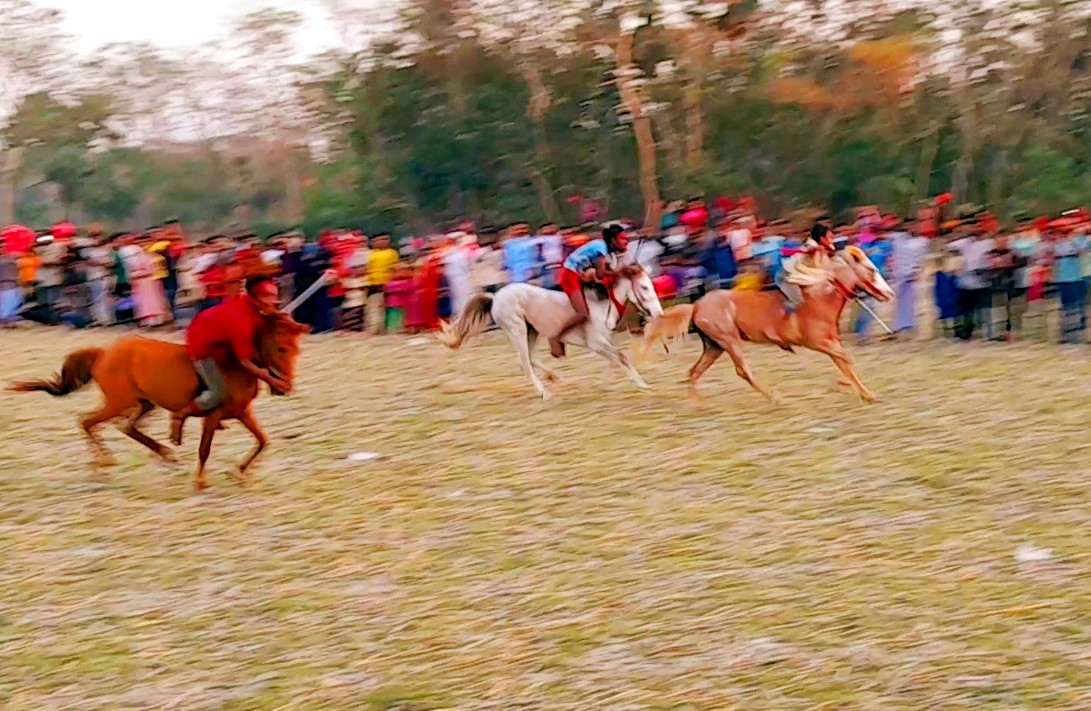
{"x":805,"y":267}
{"x":726,"y":319}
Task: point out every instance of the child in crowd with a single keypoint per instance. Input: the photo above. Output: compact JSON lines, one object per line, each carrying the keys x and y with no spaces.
{"x":214,"y":283}
{"x":355,"y":299}
{"x":397,"y":293}
{"x":945,"y":291}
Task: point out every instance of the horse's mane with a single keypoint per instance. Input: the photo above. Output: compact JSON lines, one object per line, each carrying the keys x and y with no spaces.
{"x":806,"y":275}
{"x":624,"y":271}
{"x":597,"y":290}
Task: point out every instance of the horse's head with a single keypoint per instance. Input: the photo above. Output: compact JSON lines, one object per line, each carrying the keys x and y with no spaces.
{"x":636,"y":287}
{"x":855,"y":272}
{"x":278,"y":347}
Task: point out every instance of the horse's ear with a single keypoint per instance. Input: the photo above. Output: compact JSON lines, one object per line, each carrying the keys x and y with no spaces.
{"x":289,"y":324}
{"x":295,"y":327}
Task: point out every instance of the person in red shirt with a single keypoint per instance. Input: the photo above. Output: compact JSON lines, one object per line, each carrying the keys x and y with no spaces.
{"x":224,"y":332}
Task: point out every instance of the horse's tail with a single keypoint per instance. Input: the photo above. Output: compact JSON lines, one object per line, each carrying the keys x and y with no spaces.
{"x":75,"y":373}
{"x":673,"y":323}
{"x":474,"y":319}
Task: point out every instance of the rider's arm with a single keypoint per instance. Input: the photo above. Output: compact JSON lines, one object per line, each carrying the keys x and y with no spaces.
{"x":262,"y":374}
{"x":601,"y":268}
{"x":243,"y":347}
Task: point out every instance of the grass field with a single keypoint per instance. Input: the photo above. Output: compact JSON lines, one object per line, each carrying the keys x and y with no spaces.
{"x":609,"y":549}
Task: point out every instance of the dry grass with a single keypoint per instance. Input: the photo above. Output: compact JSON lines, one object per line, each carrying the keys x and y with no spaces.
{"x":607,"y":550}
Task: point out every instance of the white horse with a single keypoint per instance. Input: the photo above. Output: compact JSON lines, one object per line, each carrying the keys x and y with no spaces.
{"x":524,"y":311}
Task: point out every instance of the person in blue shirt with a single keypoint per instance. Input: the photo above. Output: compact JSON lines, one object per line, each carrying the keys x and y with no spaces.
{"x":718,"y":260}
{"x":1067,"y":248}
{"x":879,"y":252}
{"x":520,"y":254}
{"x":593,"y":261}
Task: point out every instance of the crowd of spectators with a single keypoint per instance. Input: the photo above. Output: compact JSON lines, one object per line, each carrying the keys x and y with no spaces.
{"x":981,"y":279}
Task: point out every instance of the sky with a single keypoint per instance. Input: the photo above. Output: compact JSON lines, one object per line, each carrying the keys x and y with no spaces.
{"x":181,"y":24}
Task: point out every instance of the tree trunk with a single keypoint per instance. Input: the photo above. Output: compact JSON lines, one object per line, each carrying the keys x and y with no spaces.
{"x":924,"y":167}
{"x":537,"y":106}
{"x":12,"y":163}
{"x":695,"y":127}
{"x":642,"y":128}
{"x":545,"y":194}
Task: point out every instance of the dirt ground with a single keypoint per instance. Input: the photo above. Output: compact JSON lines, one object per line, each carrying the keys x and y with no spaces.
{"x":609,"y":549}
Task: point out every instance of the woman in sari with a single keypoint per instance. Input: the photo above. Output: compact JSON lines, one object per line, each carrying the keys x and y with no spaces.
{"x":423,"y":312}
{"x":149,"y":299}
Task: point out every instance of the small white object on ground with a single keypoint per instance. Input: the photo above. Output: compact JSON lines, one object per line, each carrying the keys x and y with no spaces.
{"x":820,"y":430}
{"x":417,"y":341}
{"x":1030,"y":554}
{"x":363,"y":456}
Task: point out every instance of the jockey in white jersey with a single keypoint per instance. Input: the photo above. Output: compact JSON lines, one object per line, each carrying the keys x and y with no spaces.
{"x":815,"y":253}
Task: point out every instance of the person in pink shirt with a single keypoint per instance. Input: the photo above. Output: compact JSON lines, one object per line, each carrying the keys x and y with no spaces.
{"x":397,"y":295}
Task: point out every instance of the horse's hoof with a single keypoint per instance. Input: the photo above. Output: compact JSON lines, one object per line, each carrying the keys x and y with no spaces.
{"x":869,"y":399}
{"x":240,"y":477}
{"x":545,"y":396}
{"x":200,"y":486}
{"x":643,"y":386}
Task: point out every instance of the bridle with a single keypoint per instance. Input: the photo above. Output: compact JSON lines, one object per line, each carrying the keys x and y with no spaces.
{"x":849,"y":294}
{"x":636,"y":300}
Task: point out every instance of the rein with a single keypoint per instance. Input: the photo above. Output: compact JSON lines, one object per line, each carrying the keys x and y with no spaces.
{"x":842,"y":289}
{"x":617,"y":304}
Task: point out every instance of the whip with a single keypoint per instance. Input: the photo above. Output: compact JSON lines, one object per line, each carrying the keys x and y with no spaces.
{"x":307,"y":293}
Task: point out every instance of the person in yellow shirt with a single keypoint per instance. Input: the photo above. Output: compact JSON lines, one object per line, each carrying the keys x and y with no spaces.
{"x":751,"y":278}
{"x":381,"y":262}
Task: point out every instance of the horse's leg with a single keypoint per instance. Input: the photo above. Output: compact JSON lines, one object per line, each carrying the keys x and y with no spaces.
{"x":90,"y":423}
{"x":251,"y":424}
{"x":208,"y":431}
{"x":132,"y":432}
{"x":532,"y":341}
{"x":599,"y":342}
{"x":742,"y":368}
{"x":843,"y":361}
{"x":517,"y":334}
{"x":848,"y":373}
{"x":709,"y":355}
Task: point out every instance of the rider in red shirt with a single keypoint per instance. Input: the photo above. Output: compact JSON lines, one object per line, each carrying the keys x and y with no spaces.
{"x":222,"y":333}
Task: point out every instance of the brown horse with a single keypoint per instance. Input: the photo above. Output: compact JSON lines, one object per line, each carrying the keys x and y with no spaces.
{"x":724,"y":319}
{"x":138,"y":374}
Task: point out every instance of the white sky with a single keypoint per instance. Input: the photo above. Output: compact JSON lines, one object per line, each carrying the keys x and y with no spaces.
{"x":175,"y":23}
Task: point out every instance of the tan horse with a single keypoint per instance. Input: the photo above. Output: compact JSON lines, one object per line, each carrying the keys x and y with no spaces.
{"x":138,"y":374}
{"x":725,"y":319}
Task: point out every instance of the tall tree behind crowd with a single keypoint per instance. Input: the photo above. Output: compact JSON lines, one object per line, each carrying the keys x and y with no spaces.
{"x":433,"y":110}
